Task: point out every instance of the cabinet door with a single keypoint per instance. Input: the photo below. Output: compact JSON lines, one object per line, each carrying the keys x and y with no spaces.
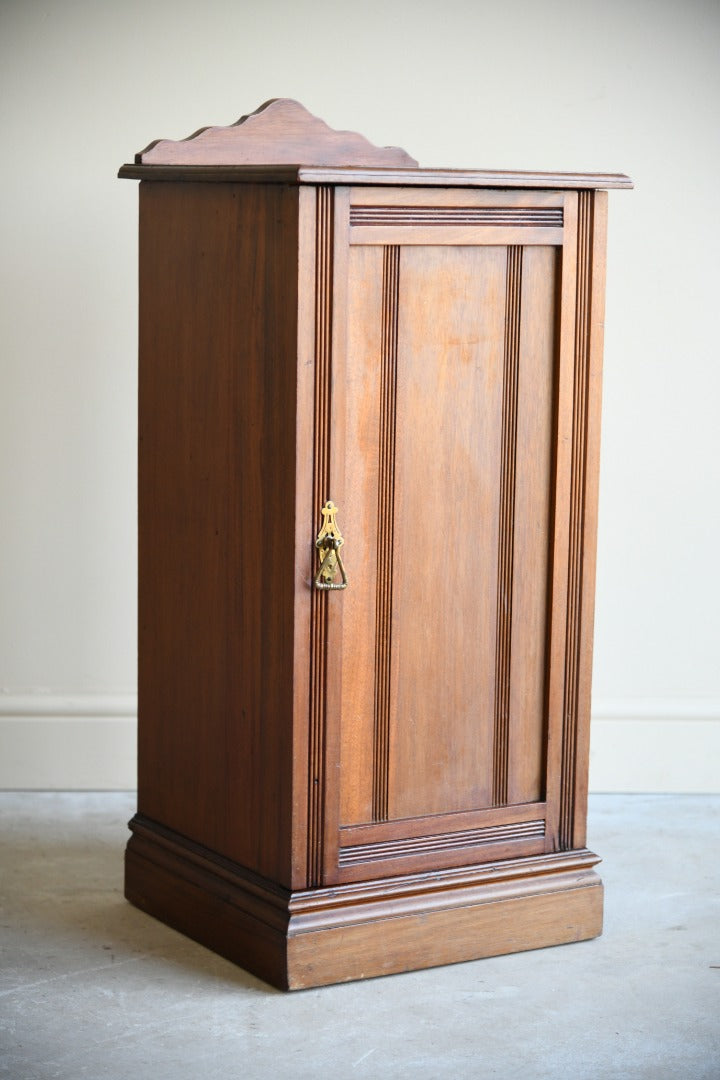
{"x":459,"y":369}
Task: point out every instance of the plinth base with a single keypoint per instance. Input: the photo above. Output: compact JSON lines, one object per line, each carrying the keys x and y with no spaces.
{"x":296,"y":940}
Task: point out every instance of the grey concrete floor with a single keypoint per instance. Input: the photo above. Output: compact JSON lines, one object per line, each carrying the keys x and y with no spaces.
{"x":90,"y":987}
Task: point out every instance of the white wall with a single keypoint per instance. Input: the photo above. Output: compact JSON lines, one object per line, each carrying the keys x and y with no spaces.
{"x":623,"y":86}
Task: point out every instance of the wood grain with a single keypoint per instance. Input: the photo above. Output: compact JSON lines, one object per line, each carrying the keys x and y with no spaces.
{"x":486,"y":178}
{"x":357,"y":399}
{"x":319,"y":936}
{"x":506,"y":525}
{"x":333,"y":786}
{"x":321,"y":493}
{"x":576,"y":528}
{"x":411,"y":177}
{"x":449,"y":402}
{"x":218,"y":295}
{"x":426,"y":826}
{"x":280,"y":131}
{"x":520,"y":216}
{"x":489,"y":928}
{"x":385,"y":529}
{"x":451,"y":234}
{"x":560,"y":518}
{"x":521,"y":599}
{"x":575,"y":523}
{"x":589,"y":318}
{"x":406,"y":200}
{"x":594,"y":315}
{"x":440,"y":843}
{"x":533,"y":483}
{"x":305,"y":524}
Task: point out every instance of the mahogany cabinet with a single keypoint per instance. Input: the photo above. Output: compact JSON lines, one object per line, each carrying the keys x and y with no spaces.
{"x":391,"y":772}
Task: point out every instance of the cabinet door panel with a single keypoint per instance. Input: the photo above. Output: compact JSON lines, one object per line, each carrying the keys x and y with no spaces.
{"x":444,"y":398}
{"x":445,"y":541}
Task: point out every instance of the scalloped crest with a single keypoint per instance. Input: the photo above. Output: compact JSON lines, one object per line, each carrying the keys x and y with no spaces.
{"x":280,"y":132}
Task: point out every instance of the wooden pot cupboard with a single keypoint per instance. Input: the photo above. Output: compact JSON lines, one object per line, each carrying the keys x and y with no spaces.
{"x":369,"y":422}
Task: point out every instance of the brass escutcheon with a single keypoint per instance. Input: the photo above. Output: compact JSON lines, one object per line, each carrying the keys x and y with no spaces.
{"x":328,"y":543}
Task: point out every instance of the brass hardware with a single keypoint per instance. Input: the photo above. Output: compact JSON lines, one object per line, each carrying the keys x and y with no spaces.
{"x":328,"y":543}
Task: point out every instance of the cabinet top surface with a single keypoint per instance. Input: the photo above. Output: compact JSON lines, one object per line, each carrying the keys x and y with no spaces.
{"x":306,"y":174}
{"x":281,"y":142}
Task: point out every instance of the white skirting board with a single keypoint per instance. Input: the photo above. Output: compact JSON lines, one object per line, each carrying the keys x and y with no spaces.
{"x":88,"y":743}
{"x":656,"y":745}
{"x":79,"y":742}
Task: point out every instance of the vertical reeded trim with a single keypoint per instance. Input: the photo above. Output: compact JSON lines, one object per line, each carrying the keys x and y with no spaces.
{"x":577,"y":515}
{"x":321,"y":483}
{"x":385,"y":519}
{"x":506,"y":531}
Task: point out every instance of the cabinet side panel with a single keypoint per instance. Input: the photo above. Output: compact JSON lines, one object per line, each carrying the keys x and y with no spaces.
{"x":217,"y":383}
{"x":596,"y":259}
